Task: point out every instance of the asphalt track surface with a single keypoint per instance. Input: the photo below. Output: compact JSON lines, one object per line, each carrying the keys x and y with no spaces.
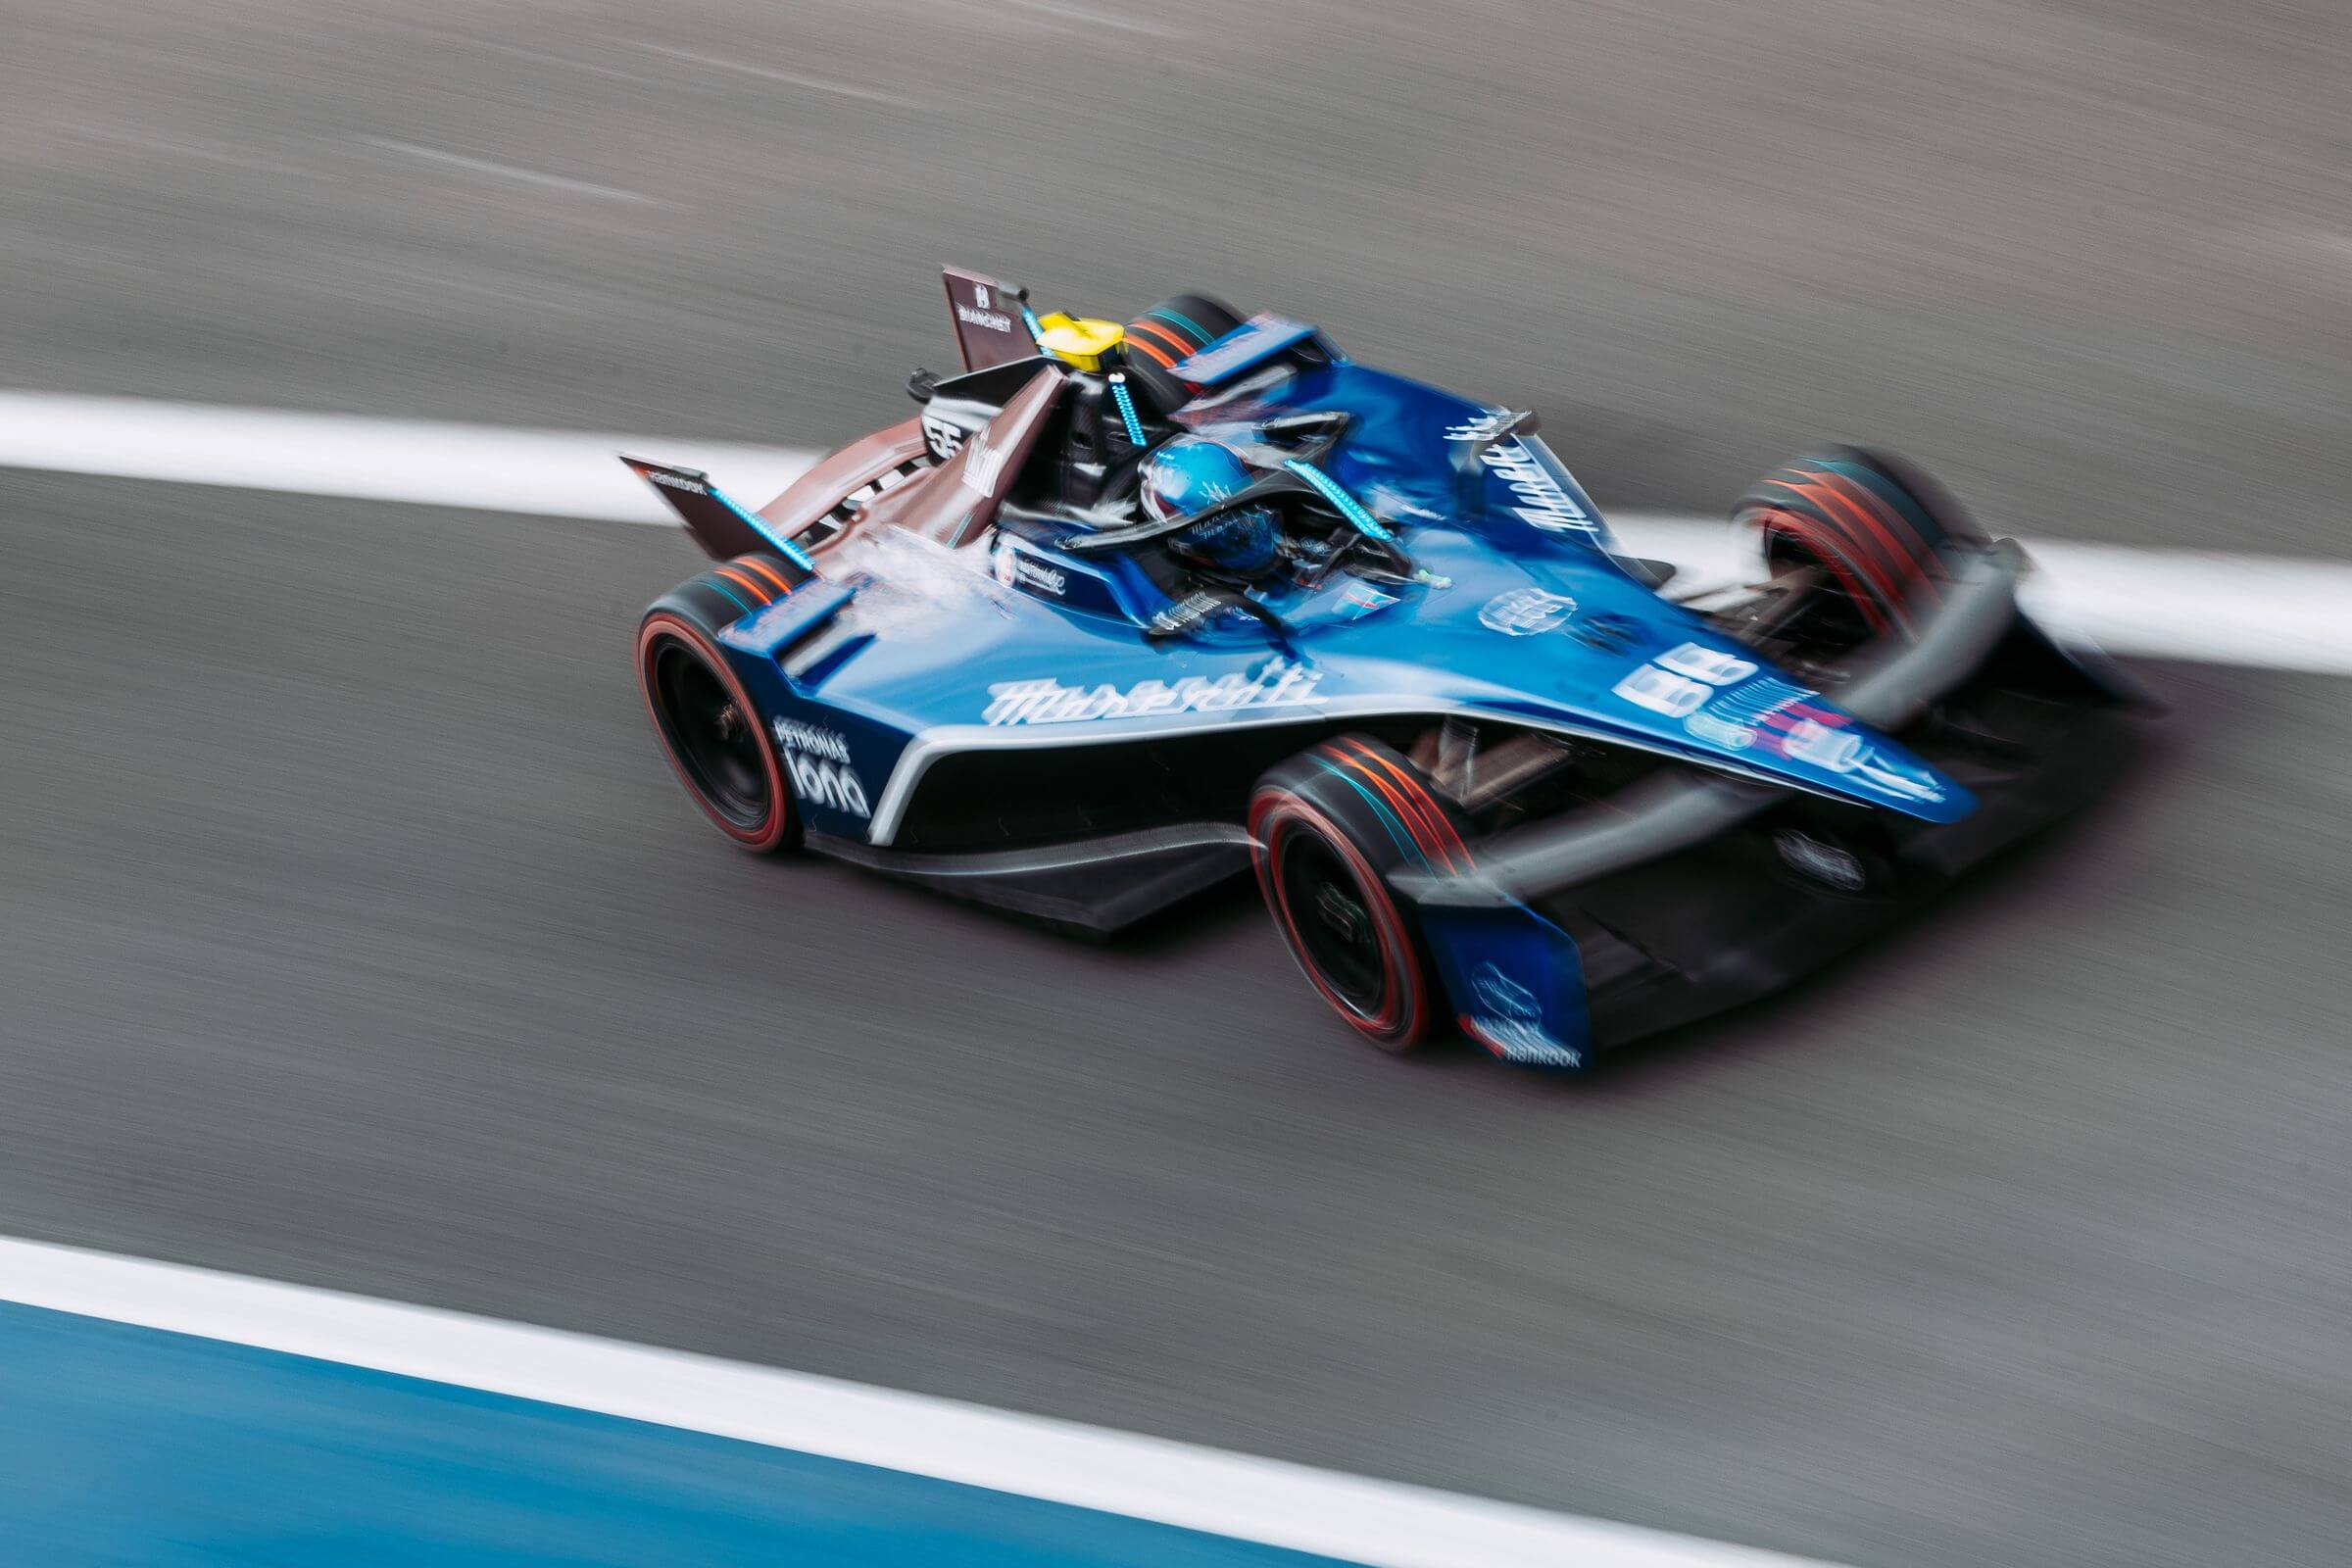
{"x":355,"y":934}
{"x":358,"y":936}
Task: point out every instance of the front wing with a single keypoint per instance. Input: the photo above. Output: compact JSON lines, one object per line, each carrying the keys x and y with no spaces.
{"x":1686,"y":892}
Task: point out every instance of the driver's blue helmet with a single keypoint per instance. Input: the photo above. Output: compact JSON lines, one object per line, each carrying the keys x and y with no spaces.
{"x":1192,"y":473}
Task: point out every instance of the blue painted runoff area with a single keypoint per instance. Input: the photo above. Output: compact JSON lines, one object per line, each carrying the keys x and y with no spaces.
{"x":123,"y":1445}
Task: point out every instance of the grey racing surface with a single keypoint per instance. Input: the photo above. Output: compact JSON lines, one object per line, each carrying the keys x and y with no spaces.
{"x":2085,"y":259}
{"x":351,"y":931}
{"x":358,"y":936}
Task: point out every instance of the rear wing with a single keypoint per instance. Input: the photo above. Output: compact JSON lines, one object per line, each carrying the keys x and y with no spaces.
{"x":993,"y":321}
{"x":722,"y":529}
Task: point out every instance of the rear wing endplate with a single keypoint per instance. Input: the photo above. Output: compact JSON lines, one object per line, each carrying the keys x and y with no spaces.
{"x":722,"y":529}
{"x":992,"y":322}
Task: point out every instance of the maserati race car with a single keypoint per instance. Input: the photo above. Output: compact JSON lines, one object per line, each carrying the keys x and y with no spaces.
{"x":1486,"y":774}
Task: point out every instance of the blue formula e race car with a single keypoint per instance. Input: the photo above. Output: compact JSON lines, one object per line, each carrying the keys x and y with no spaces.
{"x":1125,"y":611}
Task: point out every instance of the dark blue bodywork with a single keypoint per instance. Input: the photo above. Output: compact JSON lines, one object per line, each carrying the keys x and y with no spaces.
{"x":905,"y":655}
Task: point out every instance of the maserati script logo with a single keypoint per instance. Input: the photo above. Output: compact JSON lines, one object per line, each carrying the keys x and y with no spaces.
{"x":1524,"y":611}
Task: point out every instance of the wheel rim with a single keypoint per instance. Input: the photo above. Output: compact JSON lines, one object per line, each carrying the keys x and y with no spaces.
{"x":715,"y":739}
{"x":1334,"y":921}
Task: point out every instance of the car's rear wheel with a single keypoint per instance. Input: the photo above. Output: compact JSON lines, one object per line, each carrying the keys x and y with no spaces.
{"x":1327,"y":826}
{"x":710,"y":729}
{"x":1881,"y":532}
{"x":1171,"y":333}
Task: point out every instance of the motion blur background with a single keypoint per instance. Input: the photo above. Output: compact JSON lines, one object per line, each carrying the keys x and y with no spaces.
{"x":351,"y":931}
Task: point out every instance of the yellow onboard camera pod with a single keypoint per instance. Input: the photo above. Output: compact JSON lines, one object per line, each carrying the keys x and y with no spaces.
{"x":1079,"y":340}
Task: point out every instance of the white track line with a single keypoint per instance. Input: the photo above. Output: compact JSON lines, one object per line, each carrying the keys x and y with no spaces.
{"x":2263,"y":611}
{"x":2266,"y":611}
{"x":1348,"y":1517}
{"x":557,"y":473}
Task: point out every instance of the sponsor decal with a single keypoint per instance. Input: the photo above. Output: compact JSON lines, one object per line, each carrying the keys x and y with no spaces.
{"x":980,"y":295}
{"x":675,"y":482}
{"x":1759,"y":702}
{"x":1485,"y":428}
{"x":1276,"y":683}
{"x":1185,"y":614}
{"x":1516,"y":1039}
{"x":1823,"y":740}
{"x":1723,"y":701}
{"x":1225,"y":526}
{"x":943,"y":437}
{"x":818,"y":760}
{"x":1016,"y":565}
{"x":795,"y":736}
{"x":1543,"y":501}
{"x":1525,"y":612}
{"x":1501,"y":995}
{"x":1362,"y":599}
{"x":1809,"y":740}
{"x":1510,"y":1021}
{"x":1661,"y":691}
{"x":1735,"y":718}
{"x":1705,"y":726}
{"x":994,"y":320}
{"x":1680,"y":680}
{"x":1712,"y":666}
{"x":1823,"y":863}
{"x":983,"y":464}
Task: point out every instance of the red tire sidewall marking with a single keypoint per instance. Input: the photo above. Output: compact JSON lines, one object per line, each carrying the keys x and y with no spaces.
{"x":663,"y":624}
{"x":1814,"y":537}
{"x":1430,"y":849}
{"x":1885,"y":575}
{"x":1405,"y":1018}
{"x":1880,"y":532}
{"x":1444,"y":837}
{"x":1918,"y":556}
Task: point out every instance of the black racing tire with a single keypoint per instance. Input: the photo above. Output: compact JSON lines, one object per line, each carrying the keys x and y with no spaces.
{"x":1168,"y":332}
{"x":713,"y":733}
{"x":1883,"y":531}
{"x":1326,"y":827}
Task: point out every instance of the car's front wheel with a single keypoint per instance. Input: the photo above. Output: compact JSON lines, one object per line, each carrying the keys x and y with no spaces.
{"x":1326,"y":827}
{"x":1877,"y":529}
